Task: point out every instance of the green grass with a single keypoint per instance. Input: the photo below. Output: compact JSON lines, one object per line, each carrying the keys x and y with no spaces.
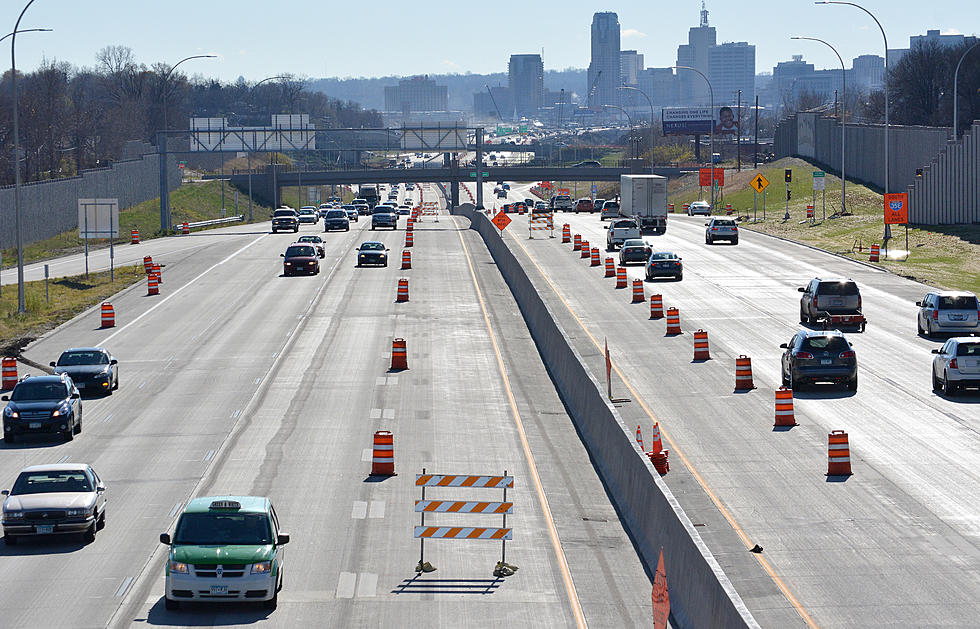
{"x":68,"y":297}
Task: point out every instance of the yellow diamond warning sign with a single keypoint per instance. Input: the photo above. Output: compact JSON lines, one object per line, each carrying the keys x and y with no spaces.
{"x":759,"y":183}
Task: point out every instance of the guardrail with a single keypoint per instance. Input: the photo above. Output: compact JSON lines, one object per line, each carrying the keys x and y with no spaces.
{"x":213,"y":221}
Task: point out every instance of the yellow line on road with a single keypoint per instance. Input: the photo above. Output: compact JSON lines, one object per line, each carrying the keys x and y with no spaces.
{"x":566,"y":575}
{"x":673,"y":446}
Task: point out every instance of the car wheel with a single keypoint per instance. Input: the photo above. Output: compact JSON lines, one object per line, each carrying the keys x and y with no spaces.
{"x":804,"y":317}
{"x":936,"y":384}
{"x":100,"y":523}
{"x":949,"y":388}
{"x":69,"y":434}
{"x":78,"y":427}
{"x":9,"y":540}
{"x":296,"y":229}
{"x":735,"y":241}
{"x":347,"y":229}
{"x":680,"y":276}
{"x":89,"y":535}
{"x":921,"y":332}
{"x":171,"y":604}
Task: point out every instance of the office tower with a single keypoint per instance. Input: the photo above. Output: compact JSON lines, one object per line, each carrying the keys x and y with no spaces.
{"x":419,"y":93}
{"x":630,"y":65}
{"x":604,"y":71}
{"x":731,"y":67}
{"x":526,"y":82}
{"x":692,"y":89}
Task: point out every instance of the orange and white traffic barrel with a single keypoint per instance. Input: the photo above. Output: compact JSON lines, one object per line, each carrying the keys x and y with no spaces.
{"x":701,"y":345}
{"x":620,"y":277}
{"x":406,"y":259}
{"x":383,"y":454}
{"x":838,"y":454}
{"x":402,"y":295}
{"x":673,"y":321}
{"x":108,"y":315}
{"x":577,"y":242}
{"x":595,"y":257}
{"x":638,"y":291}
{"x":566,"y":233}
{"x":743,"y":373}
{"x":134,"y":237}
{"x":399,"y":354}
{"x":586,"y":250}
{"x":656,"y":306}
{"x":9,"y":373}
{"x":610,"y":267}
{"x":784,"y":407}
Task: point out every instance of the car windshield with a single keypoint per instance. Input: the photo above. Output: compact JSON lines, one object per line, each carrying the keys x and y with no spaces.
{"x":69,"y":359}
{"x":624,"y":225}
{"x":50,"y":482}
{"x":309,"y":239}
{"x":837,"y":288}
{"x":634,"y":243}
{"x":958,"y":302}
{"x":336,"y":214}
{"x":609,"y":205}
{"x":349,"y":207}
{"x":306,"y":211}
{"x":28,"y":391}
{"x":372,"y":246}
{"x":293,"y":252}
{"x":284,"y":214}
{"x":968,"y":349}
{"x":663,"y":256}
{"x":217,"y":529}
{"x":384,"y":209}
{"x":826,"y":343}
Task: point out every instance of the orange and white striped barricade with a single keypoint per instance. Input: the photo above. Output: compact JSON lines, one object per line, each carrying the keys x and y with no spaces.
{"x":402,"y":295}
{"x":577,"y":242}
{"x":701,"y":345}
{"x":838,"y":454}
{"x":147,"y":264}
{"x":586,"y":250}
{"x":595,"y":257}
{"x":406,"y":259}
{"x":538,"y":222}
{"x":134,"y":237}
{"x":620,"y":277}
{"x":810,"y":214}
{"x":399,"y":355}
{"x":875,"y":254}
{"x":9,"y":373}
{"x":383,"y":454}
{"x":638,"y":292}
{"x":152,"y":285}
{"x":185,"y":228}
{"x":409,"y":239}
{"x":566,"y":233}
{"x":610,"y":267}
{"x":784,"y":407}
{"x":670,"y":208}
{"x":493,"y":508}
{"x":551,"y":224}
{"x":108,"y":315}
{"x":743,"y":373}
{"x":656,"y":306}
{"x":673,"y":321}
{"x":728,"y":209}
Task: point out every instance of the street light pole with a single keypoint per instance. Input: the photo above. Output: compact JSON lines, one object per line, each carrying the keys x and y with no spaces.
{"x":649,"y":102}
{"x":627,"y":118}
{"x":248,"y":154}
{"x":711,"y":141}
{"x":888,"y":228}
{"x":956,"y":78}
{"x":843,"y":118}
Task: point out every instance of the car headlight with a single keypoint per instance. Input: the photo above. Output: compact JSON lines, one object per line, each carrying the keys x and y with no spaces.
{"x":13,"y":515}
{"x":289,"y":264}
{"x":9,"y":412}
{"x":178,"y":566}
{"x":363,"y":255}
{"x":62,"y":410}
{"x":74,"y":513}
{"x":263,"y":567}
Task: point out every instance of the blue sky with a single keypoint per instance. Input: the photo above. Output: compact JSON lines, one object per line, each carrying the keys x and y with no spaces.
{"x":318,"y":39}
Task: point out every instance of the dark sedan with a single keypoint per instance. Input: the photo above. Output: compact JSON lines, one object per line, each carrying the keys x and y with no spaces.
{"x":336,"y":219}
{"x":300,"y":258}
{"x":92,"y":369}
{"x":665,"y":264}
{"x":317,"y":242}
{"x":812,"y":357}
{"x":372,"y":252}
{"x":634,"y":250}
{"x":43,"y":404}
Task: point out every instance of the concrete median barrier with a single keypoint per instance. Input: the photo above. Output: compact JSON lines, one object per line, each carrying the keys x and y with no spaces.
{"x":701,"y":595}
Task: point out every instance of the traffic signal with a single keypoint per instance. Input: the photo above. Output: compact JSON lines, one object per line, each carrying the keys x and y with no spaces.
{"x":788,"y":194}
{"x":789,"y":175}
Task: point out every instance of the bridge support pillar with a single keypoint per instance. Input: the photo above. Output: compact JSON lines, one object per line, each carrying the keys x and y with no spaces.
{"x":454,"y":192}
{"x":479,"y":168}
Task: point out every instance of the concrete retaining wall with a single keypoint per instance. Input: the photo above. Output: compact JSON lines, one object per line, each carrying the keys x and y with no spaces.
{"x":700,"y":593}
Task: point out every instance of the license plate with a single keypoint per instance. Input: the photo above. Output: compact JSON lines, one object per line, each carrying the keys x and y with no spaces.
{"x":957,"y":317}
{"x":836,"y":302}
{"x":826,"y":361}
{"x":219,"y":589}
{"x":34,"y":425}
{"x":44,"y":529}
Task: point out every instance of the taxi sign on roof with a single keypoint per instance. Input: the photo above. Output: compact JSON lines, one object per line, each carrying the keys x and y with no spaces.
{"x":225,"y":504}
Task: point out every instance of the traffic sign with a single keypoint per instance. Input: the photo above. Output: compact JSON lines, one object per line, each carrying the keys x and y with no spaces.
{"x":595,"y":188}
{"x":709,"y":176}
{"x":484,"y":173}
{"x":897,"y":208}
{"x":759,"y":183}
{"x":819,"y":179}
{"x":501,"y":220}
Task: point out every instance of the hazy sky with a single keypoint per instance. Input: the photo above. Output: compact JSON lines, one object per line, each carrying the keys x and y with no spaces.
{"x":348,"y":39}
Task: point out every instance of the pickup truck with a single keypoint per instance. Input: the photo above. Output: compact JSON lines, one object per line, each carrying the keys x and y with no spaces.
{"x":621,"y":230}
{"x":285,"y":219}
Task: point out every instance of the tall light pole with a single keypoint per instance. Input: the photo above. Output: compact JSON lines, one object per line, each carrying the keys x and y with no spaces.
{"x":627,"y":118}
{"x":167,"y":78}
{"x":248,"y":154}
{"x":843,"y":117}
{"x":650,"y":103}
{"x":956,"y":78}
{"x":21,"y":305}
{"x":711,"y":140}
{"x":888,"y":228}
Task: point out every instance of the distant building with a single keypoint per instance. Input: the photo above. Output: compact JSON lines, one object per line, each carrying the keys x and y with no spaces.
{"x":525,"y":75}
{"x":867,"y":73}
{"x":785,"y":76}
{"x":731,"y":67}
{"x":419,"y":93}
{"x":484,"y":105}
{"x":630,"y":66}
{"x":660,"y":84}
{"x":932,"y":36}
{"x":604,"y":70}
{"x":692,"y":90}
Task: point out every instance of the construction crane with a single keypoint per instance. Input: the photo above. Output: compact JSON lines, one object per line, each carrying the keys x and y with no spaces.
{"x":592,"y":88}
{"x":494,"y":101}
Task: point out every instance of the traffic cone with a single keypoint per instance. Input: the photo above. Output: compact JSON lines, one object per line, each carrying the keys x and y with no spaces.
{"x":784,"y":407}
{"x":639,"y":437}
{"x":701,"y":345}
{"x":656,"y":306}
{"x":656,"y":443}
{"x":383,"y":456}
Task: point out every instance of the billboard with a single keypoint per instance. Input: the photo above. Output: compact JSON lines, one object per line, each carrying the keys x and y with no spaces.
{"x":438,"y":139}
{"x":288,"y":132}
{"x":699,"y":120}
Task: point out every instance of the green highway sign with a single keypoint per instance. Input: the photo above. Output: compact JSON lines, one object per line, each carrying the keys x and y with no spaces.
{"x":485,"y":174}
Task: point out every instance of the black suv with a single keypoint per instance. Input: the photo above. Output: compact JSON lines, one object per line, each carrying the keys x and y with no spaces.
{"x":336,"y":219}
{"x":384,"y":216}
{"x":43,"y":404}
{"x":811,"y":357}
{"x":285,"y":219}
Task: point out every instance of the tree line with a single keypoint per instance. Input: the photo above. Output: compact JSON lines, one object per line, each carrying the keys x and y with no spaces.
{"x":73,"y":118}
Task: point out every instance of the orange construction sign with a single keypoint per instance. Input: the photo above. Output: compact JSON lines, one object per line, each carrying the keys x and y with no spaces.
{"x":501,"y":220}
{"x":897,"y":208}
{"x":659,"y":596}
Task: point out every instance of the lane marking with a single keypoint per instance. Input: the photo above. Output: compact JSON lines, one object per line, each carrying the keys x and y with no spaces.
{"x":236,"y":413}
{"x":380,"y":381}
{"x":392,"y":380}
{"x":377,"y":509}
{"x":375,"y":413}
{"x":107,"y":418}
{"x":359,"y":510}
{"x":566,"y":575}
{"x":209,"y":456}
{"x":687,"y":463}
{"x":345,"y":585}
{"x":142,"y":384}
{"x":367,"y":454}
{"x":367,"y":585}
{"x":64,"y":459}
{"x":389,"y":413}
{"x":125,"y":586}
{"x":175,"y":509}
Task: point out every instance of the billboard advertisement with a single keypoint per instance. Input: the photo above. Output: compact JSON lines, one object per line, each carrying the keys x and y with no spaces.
{"x":699,"y":120}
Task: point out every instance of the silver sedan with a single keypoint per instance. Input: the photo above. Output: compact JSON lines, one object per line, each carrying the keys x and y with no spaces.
{"x":55,"y":499}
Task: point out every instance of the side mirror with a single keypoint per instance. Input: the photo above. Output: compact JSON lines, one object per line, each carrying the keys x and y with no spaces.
{"x":606,"y":227}
{"x":75,"y":395}
{"x":54,"y":365}
{"x":918,"y":303}
{"x":5,"y":492}
{"x":113,"y":362}
{"x":282,"y":255}
{"x":679,"y":258}
{"x":784,"y":346}
{"x":284,"y":538}
{"x":935,"y":351}
{"x":165,"y":538}
{"x":5,"y":398}
{"x":801,"y":289}
{"x":707,"y":224}
{"x":100,"y":489}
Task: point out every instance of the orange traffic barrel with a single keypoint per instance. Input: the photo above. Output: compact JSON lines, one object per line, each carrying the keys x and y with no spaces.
{"x":185,"y":228}
{"x":686,"y":205}
{"x":809,"y":211}
{"x":147,"y":264}
{"x":134,"y":237}
{"x":399,"y":354}
{"x":402,"y":295}
{"x":784,"y":407}
{"x":656,"y":306}
{"x":701,"y":345}
{"x":670,"y":208}
{"x":875,"y":253}
{"x":577,"y":242}
{"x":728,"y":209}
{"x":158,"y":272}
{"x":406,"y":259}
{"x":620,"y":277}
{"x":9,"y":373}
{"x":586,"y":250}
{"x":610,"y":267}
{"x":383,"y":456}
{"x":595,"y":257}
{"x":638,"y":291}
{"x":743,"y":373}
{"x":673,"y":321}
{"x":409,"y":239}
{"x":108,"y":315}
{"x":152,"y":285}
{"x":566,"y":233}
{"x":838,"y":454}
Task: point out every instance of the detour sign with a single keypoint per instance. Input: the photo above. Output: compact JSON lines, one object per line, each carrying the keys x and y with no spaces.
{"x":897,"y":208}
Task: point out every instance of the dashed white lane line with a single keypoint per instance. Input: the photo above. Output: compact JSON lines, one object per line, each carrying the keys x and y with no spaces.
{"x":375,"y":413}
{"x":389,"y":413}
{"x":124,"y":586}
{"x":367,"y":454}
{"x":367,"y":585}
{"x":345,"y":585}
{"x":377,"y":509}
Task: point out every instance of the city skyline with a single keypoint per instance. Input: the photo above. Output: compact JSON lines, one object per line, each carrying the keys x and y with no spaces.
{"x":258,"y":51}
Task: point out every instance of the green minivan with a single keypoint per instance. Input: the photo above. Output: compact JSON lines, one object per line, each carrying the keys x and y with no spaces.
{"x":225,"y":548}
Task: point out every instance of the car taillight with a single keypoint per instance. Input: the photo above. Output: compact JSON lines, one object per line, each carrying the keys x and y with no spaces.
{"x":953,"y":365}
{"x":677,"y":264}
{"x":814,"y":301}
{"x":734,"y":229}
{"x":804,"y":355}
{"x":859,"y":301}
{"x":847,"y":354}
{"x":935,"y":315}
{"x":714,"y":229}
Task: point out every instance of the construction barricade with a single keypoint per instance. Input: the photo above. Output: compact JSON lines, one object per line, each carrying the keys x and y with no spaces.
{"x":586,"y":250}
{"x":383,"y":455}
{"x":838,"y":454}
{"x":656,"y":306}
{"x":566,"y":233}
{"x":701,"y":345}
{"x":638,"y":292}
{"x":134,"y":237}
{"x":670,"y":208}
{"x":620,"y":277}
{"x":685,"y":206}
{"x":673,"y":321}
{"x":185,"y":228}
{"x":610,"y":267}
{"x":810,"y":215}
{"x":399,"y":355}
{"x":152,"y":285}
{"x":502,"y":508}
{"x":541,"y":222}
{"x":147,"y":264}
{"x":784,"y":407}
{"x":9,"y":373}
{"x":409,"y":239}
{"x":595,"y":257}
{"x":406,"y":259}
{"x":577,"y":242}
{"x":743,"y":373}
{"x":108,"y":315}
{"x":728,"y":209}
{"x":875,"y":254}
{"x":402,"y":295}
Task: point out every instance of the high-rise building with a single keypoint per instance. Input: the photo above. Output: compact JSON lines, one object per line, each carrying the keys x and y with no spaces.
{"x":419,"y":93}
{"x":660,"y":84}
{"x":692,"y":90}
{"x":867,"y":73}
{"x":731,"y":67}
{"x":785,"y":77}
{"x":604,"y":71}
{"x":525,"y":75}
{"x":630,"y":65}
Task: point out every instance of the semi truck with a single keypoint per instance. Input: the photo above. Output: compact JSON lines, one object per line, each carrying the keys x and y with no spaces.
{"x":370,"y":194}
{"x":644,"y":197}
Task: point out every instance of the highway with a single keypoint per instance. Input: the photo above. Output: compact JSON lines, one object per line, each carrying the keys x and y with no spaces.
{"x":237,"y":380}
{"x":894,"y":544}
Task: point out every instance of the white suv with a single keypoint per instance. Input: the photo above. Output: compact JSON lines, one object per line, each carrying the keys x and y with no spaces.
{"x":948,"y":311}
{"x":699,"y":207}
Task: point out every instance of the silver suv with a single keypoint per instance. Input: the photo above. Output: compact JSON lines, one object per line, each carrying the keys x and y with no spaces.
{"x":720,"y":229}
{"x":833,"y":296}
{"x":948,"y":311}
